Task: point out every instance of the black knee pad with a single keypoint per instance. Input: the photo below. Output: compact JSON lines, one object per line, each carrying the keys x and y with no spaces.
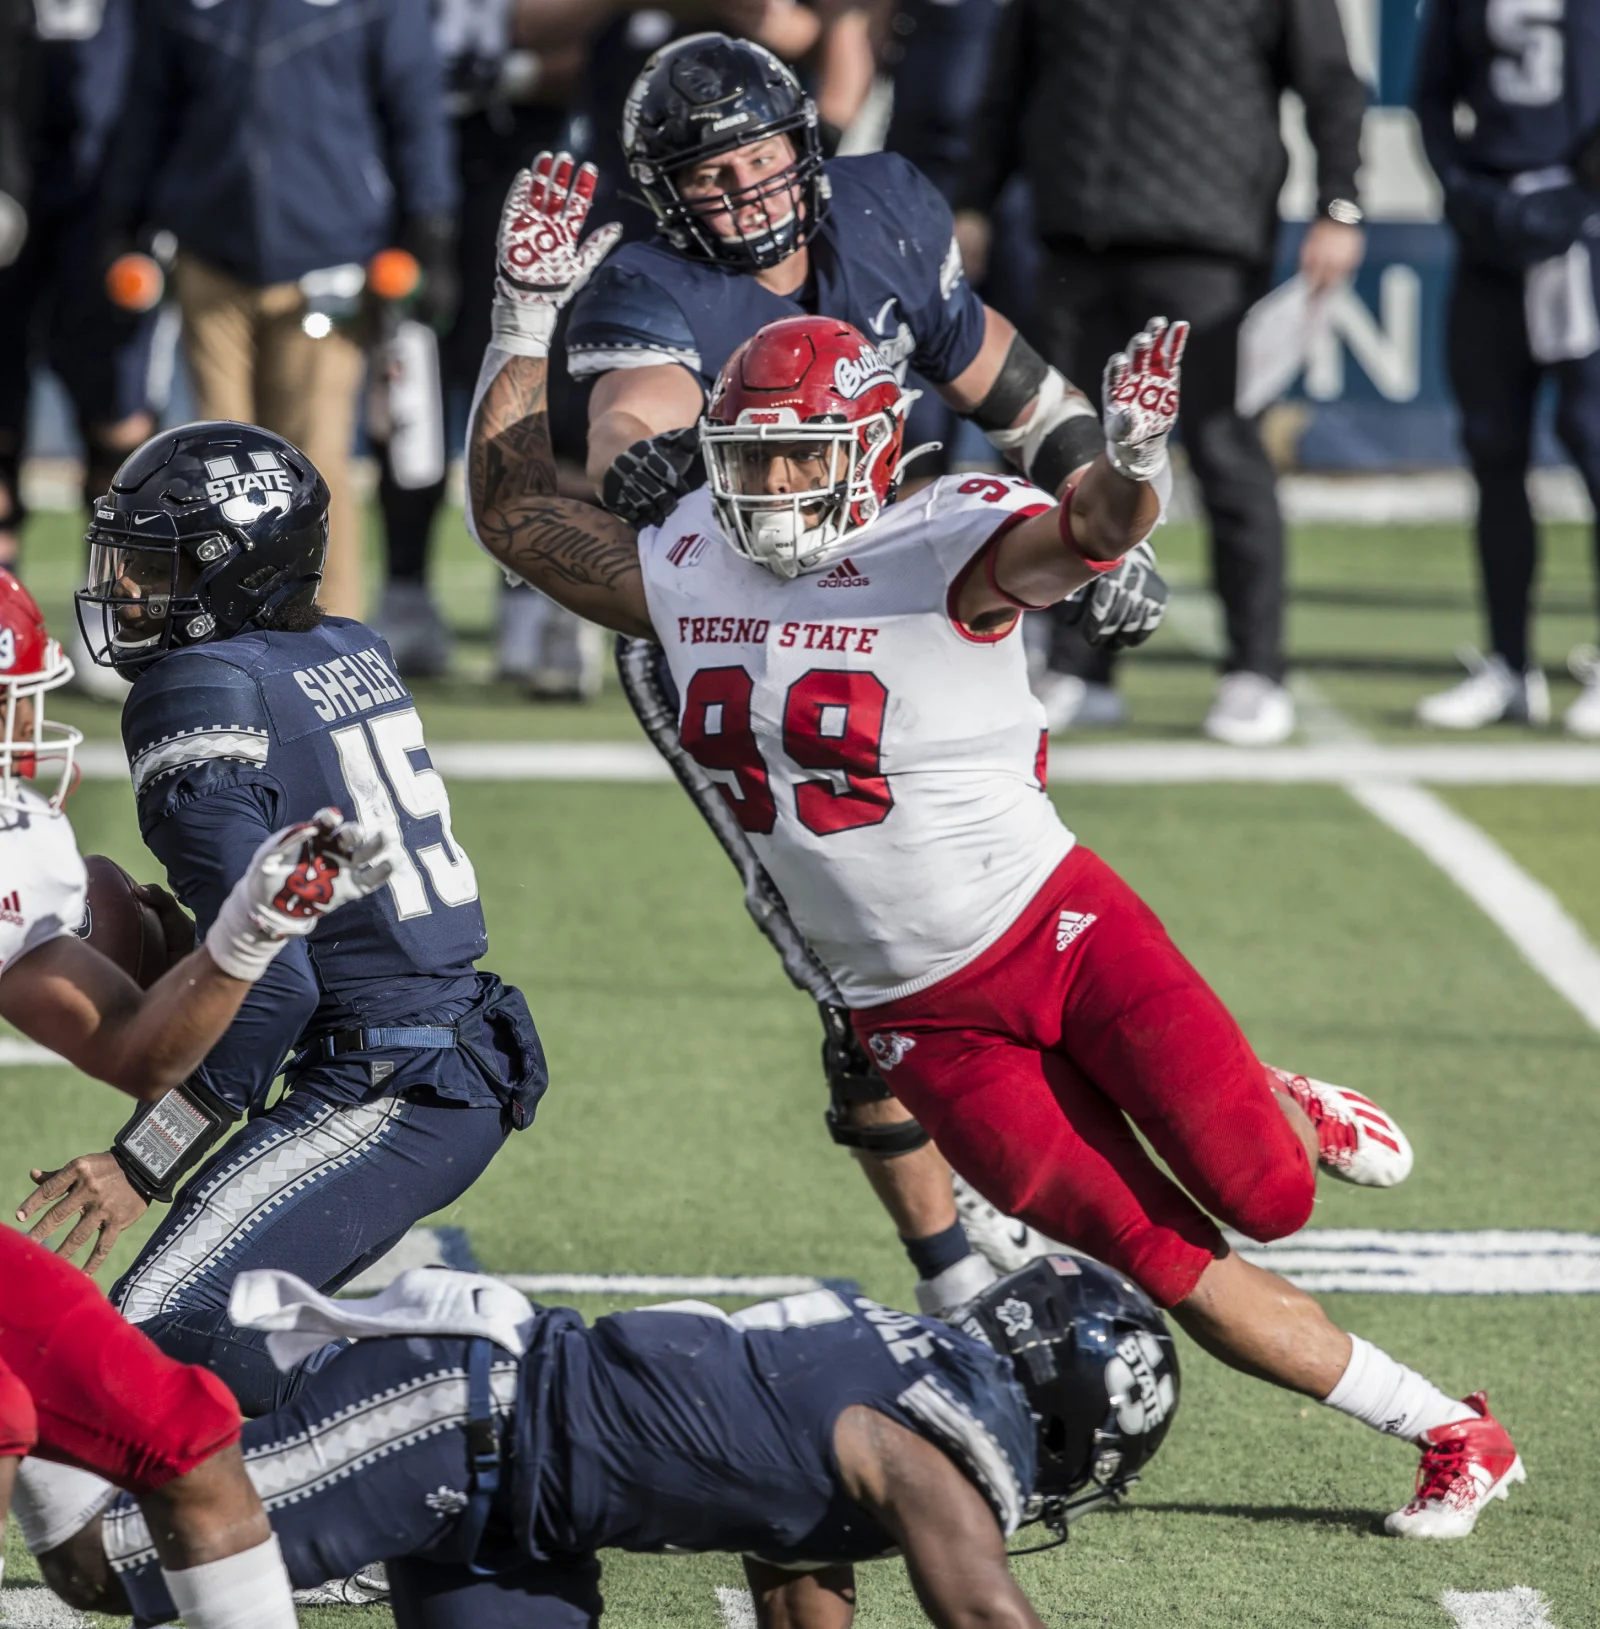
{"x":852,"y":1079}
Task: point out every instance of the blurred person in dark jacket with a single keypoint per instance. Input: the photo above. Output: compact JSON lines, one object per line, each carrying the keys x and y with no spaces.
{"x":277,"y":138}
{"x":1150,"y":134}
{"x":1510,"y":117}
{"x":63,"y":69}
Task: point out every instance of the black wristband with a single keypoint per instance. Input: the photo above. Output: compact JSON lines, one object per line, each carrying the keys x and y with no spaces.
{"x":1016,"y":384}
{"x":1072,"y":444}
{"x":165,"y":1140}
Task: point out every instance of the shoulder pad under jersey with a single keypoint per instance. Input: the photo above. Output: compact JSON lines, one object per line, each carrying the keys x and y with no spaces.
{"x":628,"y":317}
{"x":43,"y":885}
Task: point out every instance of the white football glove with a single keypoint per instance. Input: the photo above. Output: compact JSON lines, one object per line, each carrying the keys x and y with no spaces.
{"x":539,"y":262}
{"x":1139,"y":395}
{"x":294,"y":879}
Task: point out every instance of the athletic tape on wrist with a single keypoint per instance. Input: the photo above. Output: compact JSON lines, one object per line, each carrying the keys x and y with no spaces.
{"x":236,"y":942}
{"x":521,"y":330}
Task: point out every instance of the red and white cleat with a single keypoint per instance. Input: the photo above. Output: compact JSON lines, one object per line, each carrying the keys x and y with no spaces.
{"x":1465,"y":1466}
{"x":1356,"y":1141}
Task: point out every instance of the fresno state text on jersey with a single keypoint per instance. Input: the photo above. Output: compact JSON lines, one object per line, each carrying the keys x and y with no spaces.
{"x":882,"y":759}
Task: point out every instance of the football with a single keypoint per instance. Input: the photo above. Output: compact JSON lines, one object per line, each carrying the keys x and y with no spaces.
{"x":120,"y":925}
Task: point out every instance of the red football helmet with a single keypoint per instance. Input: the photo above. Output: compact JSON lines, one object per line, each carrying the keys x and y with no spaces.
{"x":31,"y":663}
{"x":802,"y":441}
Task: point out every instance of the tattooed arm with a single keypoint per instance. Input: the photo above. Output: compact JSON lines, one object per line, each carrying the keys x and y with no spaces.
{"x":577,"y":554}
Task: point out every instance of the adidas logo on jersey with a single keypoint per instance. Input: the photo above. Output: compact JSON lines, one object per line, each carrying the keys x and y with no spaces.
{"x":11,"y":909}
{"x":843,"y":575}
{"x":1072,"y":925}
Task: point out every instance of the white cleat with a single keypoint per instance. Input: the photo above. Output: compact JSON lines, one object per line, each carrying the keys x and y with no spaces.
{"x":1006,"y":1242}
{"x":955,"y":1286}
{"x":1465,"y":1467}
{"x":1251,"y":710}
{"x":1582,"y":718}
{"x":1490,"y":694}
{"x":1356,"y":1141}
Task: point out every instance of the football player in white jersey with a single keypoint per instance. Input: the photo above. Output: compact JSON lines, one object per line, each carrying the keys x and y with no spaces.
{"x":80,"y":1388}
{"x":850,"y":669}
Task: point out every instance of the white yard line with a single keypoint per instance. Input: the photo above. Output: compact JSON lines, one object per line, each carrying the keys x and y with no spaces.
{"x":737,"y":1609}
{"x":1134,"y":763}
{"x":1494,"y":1261}
{"x":1524,"y":910}
{"x":657,"y":1283}
{"x":27,"y":1053}
{"x":1516,"y":1608}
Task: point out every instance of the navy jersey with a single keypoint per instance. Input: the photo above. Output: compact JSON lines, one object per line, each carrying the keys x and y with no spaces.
{"x":884,"y":261}
{"x":229,"y":742}
{"x":1529,"y":74}
{"x":690,"y":1430}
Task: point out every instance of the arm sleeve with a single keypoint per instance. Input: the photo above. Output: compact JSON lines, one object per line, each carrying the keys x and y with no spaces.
{"x":410,"y":93}
{"x":624,"y":319}
{"x":1318,"y":68}
{"x":996,"y":134}
{"x":948,"y":317}
{"x":205,"y":843}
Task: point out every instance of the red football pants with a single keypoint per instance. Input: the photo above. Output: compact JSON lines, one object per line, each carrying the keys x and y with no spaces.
{"x":108,"y":1400}
{"x":1027,"y":1067}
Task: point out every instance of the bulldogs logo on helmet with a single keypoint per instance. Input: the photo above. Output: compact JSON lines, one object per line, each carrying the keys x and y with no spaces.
{"x":1099,"y":1367}
{"x":206,"y":529}
{"x":706,"y":95}
{"x":808,"y":394}
{"x":31,"y":663}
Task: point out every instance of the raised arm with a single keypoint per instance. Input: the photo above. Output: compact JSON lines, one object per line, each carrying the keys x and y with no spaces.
{"x":577,"y":554}
{"x":1108,"y":508}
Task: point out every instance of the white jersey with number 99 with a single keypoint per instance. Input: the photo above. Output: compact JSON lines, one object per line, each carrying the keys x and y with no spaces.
{"x":886,"y":765}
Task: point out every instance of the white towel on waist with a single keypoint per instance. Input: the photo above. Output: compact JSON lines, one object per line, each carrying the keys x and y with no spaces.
{"x":421,"y":1301}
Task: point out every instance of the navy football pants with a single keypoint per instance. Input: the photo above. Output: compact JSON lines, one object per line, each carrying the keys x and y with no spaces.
{"x":317,"y":1189}
{"x":369,"y":1463}
{"x":1497,"y":382}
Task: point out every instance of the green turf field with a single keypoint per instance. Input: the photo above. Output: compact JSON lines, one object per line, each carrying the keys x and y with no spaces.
{"x":683,"y":1132}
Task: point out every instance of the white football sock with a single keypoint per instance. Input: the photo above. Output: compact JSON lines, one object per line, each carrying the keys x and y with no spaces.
{"x":1390,"y":1397}
{"x":249,"y":1590}
{"x":52,"y":1502}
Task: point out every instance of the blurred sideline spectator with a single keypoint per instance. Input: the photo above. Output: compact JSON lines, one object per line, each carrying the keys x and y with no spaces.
{"x":277,"y":140}
{"x":511,"y":69}
{"x":1150,"y":134}
{"x":936,"y":54}
{"x":1508,"y":114}
{"x":67,"y":62}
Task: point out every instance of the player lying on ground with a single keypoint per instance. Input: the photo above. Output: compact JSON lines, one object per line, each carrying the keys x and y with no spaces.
{"x":62,"y":992}
{"x":408,"y":1065}
{"x":874,"y":732}
{"x":489,"y":1471}
{"x":753,"y":225}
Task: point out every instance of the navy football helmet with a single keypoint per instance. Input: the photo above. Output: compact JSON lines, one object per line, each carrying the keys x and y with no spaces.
{"x":706,"y":95}
{"x":1099,"y":1368}
{"x":207,"y":529}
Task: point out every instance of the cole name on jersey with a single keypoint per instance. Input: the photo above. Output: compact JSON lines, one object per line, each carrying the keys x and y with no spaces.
{"x":885,"y":763}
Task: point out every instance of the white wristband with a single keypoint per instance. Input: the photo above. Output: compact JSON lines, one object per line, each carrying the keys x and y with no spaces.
{"x":236,"y":942}
{"x":522,"y":330}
